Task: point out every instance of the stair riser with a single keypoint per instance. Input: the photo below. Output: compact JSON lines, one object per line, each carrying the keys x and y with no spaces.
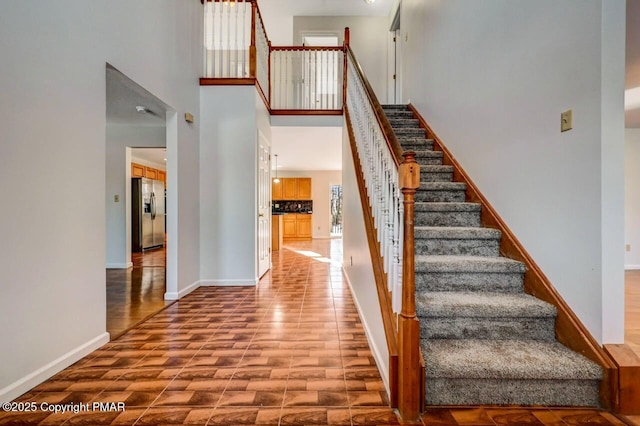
{"x":507,"y":328}
{"x":469,"y":281}
{"x":391,"y":115}
{"x":403,"y":123}
{"x":417,"y":146}
{"x":429,"y":161}
{"x":435,"y":177}
{"x":414,"y":133}
{"x":512,"y":392}
{"x":462,"y":247}
{"x":434,"y":196}
{"x":447,"y":219}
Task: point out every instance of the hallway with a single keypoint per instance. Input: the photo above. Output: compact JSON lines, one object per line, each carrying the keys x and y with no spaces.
{"x":136,"y":293}
{"x":291,"y":351}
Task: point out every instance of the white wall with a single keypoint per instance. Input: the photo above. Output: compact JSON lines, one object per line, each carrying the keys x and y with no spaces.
{"x":228,"y":198}
{"x":52,"y":165}
{"x":492,"y":78}
{"x":369,"y":39}
{"x":118,"y":138}
{"x":321,"y":182}
{"x":357,"y":263}
{"x":632,"y":198}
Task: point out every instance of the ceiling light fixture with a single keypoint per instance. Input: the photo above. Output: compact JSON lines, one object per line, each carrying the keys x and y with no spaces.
{"x":142,"y":109}
{"x":276,"y":180}
{"x":369,"y":1}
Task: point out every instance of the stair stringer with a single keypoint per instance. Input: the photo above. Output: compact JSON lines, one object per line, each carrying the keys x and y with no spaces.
{"x":569,"y":330}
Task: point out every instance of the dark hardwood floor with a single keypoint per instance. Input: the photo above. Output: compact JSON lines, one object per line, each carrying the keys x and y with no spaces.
{"x":135,"y":294}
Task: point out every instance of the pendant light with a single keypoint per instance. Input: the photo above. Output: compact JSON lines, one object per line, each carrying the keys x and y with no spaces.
{"x":276,"y":180}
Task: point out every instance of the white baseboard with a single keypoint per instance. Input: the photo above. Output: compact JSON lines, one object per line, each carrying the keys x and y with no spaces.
{"x":33,"y":379}
{"x":172,"y":295}
{"x":377,"y":355}
{"x":630,"y":267}
{"x":119,"y":265}
{"x":229,"y":283}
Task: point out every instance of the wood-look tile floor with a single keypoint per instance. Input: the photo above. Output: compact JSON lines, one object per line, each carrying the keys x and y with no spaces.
{"x":632,"y":310}
{"x":291,"y":351}
{"x":136,"y":293}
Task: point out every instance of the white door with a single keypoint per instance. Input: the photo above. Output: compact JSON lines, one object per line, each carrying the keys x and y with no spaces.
{"x":264,"y":204}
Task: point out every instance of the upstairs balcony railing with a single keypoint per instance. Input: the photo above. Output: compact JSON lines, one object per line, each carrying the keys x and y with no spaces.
{"x":291,"y":79}
{"x":329,"y":80}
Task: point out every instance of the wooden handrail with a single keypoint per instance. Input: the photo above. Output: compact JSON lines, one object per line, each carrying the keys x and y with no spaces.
{"x":308,"y":48}
{"x":387,"y":131}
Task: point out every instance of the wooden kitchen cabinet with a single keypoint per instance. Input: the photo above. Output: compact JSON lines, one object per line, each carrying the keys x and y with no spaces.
{"x":137,"y":170}
{"x":276,"y":190}
{"x":303,"y":226}
{"x":304,"y":188}
{"x":151,"y":173}
{"x":291,"y":189}
{"x":289,"y":227}
{"x":297,"y":227}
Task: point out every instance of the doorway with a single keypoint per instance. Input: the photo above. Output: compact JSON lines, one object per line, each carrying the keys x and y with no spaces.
{"x":264,"y":204}
{"x":336,"y":210}
{"x":137,"y":134}
{"x":394,"y":92}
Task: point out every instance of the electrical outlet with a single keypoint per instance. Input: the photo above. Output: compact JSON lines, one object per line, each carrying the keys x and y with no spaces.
{"x":566,"y":120}
{"x":627,"y":247}
{"x":116,"y":198}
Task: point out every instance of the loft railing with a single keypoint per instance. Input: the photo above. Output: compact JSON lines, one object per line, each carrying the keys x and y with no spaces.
{"x":227,"y":28}
{"x":294,"y":79}
{"x":307,"y":78}
{"x":326,"y":80}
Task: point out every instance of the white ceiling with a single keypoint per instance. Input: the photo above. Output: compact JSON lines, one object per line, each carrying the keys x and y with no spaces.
{"x":123,"y":95}
{"x":328,"y":7}
{"x":307,"y":148}
{"x":152,"y":155}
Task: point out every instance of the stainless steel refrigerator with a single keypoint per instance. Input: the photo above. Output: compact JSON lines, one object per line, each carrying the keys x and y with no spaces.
{"x":147,"y":214}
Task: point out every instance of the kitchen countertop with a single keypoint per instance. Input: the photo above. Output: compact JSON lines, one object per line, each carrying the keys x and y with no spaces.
{"x":283,"y":213}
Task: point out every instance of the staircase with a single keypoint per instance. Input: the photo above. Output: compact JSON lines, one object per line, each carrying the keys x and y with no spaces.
{"x":483,"y":339}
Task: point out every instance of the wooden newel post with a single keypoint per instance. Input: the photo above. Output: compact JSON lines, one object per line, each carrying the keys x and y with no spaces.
{"x":253,"y":56}
{"x":347,"y":40}
{"x":408,"y":326}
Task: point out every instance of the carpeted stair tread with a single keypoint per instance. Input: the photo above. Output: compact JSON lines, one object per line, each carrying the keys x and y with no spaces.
{"x":456,"y":233}
{"x":398,"y":114}
{"x":395,"y":107}
{"x":447,"y":213}
{"x":443,"y":186}
{"x":506,"y":359}
{"x":481,"y":305}
{"x":403,"y":122}
{"x":425,"y":263}
{"x":448,"y":207}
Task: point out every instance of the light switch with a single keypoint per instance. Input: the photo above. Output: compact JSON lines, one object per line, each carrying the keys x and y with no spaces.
{"x":627,"y":247}
{"x":566,"y":120}
{"x":116,"y":198}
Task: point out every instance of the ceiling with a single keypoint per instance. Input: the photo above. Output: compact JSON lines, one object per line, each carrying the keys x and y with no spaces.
{"x":307,"y":148}
{"x":153,"y":155}
{"x":329,"y":7}
{"x":123,"y":95}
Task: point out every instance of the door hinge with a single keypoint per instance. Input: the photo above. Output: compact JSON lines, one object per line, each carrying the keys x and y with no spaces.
{"x":394,"y":76}
{"x":394,"y":39}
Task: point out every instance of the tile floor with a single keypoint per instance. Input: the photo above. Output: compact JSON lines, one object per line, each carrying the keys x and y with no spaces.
{"x":291,"y":351}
